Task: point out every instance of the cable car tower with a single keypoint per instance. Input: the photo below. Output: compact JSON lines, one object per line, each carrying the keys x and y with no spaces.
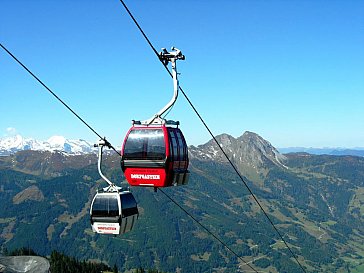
{"x":154,"y":152}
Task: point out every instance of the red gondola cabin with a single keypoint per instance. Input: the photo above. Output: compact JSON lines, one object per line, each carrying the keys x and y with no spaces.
{"x":155,"y":156}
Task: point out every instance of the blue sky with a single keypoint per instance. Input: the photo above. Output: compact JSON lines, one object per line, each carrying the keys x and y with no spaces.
{"x":291,"y":71}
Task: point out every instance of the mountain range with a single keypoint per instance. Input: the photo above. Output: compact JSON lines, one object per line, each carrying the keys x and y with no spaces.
{"x":315,"y":201}
{"x":13,"y":144}
{"x":359,"y":151}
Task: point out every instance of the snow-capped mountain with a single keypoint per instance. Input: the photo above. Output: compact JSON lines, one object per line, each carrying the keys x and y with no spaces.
{"x":10,"y":145}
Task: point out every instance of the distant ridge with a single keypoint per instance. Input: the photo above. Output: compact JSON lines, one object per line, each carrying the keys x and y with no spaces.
{"x":324,"y":151}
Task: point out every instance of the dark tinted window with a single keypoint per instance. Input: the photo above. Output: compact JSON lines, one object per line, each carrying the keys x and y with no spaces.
{"x":128,"y":201}
{"x":105,"y":206}
{"x":182,"y":145}
{"x":174,"y":143}
{"x":129,"y":205}
{"x":145,"y":144}
{"x":170,"y":148}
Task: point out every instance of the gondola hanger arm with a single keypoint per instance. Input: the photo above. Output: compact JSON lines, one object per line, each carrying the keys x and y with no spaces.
{"x":168,"y":57}
{"x":101,"y":143}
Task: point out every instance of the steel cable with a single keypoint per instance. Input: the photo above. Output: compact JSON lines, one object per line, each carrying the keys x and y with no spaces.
{"x":212,"y":135}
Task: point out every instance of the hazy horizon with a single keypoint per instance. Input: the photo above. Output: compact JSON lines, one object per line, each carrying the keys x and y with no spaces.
{"x":119,"y":145}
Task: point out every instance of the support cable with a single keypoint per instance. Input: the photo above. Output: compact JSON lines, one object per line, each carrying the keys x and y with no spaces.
{"x":208,"y":231}
{"x":212,"y":135}
{"x":58,"y":98}
{"x":108,"y":144}
{"x":197,"y":113}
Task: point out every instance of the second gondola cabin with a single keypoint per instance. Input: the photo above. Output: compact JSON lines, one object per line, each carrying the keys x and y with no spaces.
{"x":113,"y":212}
{"x":155,"y":156}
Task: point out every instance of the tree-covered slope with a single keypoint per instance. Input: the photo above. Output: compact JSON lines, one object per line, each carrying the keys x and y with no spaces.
{"x":315,"y":201}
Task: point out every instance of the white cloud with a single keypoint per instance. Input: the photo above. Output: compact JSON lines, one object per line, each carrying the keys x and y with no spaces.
{"x":10,"y":131}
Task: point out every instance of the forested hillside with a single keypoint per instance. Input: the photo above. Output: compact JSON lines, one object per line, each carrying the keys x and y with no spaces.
{"x":317,"y":203}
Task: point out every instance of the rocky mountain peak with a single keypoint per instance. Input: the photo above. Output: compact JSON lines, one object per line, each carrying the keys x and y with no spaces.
{"x":249,"y":151}
{"x":250,"y":136}
{"x":257,"y":146}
